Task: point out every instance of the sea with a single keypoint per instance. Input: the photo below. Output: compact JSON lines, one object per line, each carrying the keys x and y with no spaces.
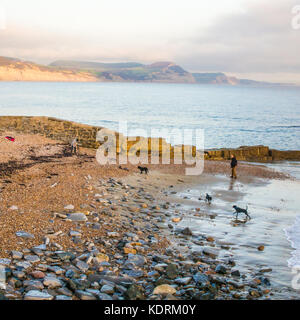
{"x":228,"y":116}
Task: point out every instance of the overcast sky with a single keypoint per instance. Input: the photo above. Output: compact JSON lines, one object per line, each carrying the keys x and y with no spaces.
{"x":247,"y":38}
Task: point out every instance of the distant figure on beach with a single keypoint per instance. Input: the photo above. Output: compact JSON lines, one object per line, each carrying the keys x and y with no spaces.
{"x":74,"y":146}
{"x":233,"y":165}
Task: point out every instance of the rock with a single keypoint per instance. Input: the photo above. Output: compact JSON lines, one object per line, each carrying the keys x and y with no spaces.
{"x":136,"y":260}
{"x":101,"y":257}
{"x":183,"y":281}
{"x":5,"y":262}
{"x":235,"y":273}
{"x":38,"y":274}
{"x":32,"y":258}
{"x":107,"y":289}
{"x":210,"y":252}
{"x":164,"y":289}
{"x":201,"y":278}
{"x":69,"y":207}
{"x":16,"y":255}
{"x":37,"y":295}
{"x":254,"y":293}
{"x":34,"y":284}
{"x":52,"y":282}
{"x":134,"y":292}
{"x":84,"y":295}
{"x":220,"y":269}
{"x":23,"y":264}
{"x":187,"y":232}
{"x":264,"y":270}
{"x":82,"y":266}
{"x":129,"y":250}
{"x":104,"y":296}
{"x":75,"y":234}
{"x":24,"y":235}
{"x":56,"y":269}
{"x":62,"y":297}
{"x":172,"y":271}
{"x":176,"y":220}
{"x":77,"y":217}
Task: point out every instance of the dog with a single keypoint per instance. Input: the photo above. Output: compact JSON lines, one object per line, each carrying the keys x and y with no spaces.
{"x":208,"y":198}
{"x":241,"y":210}
{"x":143,"y":169}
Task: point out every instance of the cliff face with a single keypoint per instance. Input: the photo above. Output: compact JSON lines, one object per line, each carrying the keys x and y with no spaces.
{"x":16,"y":70}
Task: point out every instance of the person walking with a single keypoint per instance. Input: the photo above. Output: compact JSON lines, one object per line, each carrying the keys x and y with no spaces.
{"x":74,"y":146}
{"x":233,"y":165}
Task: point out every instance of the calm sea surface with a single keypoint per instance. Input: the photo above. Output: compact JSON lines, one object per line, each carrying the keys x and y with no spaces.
{"x":230,"y":116}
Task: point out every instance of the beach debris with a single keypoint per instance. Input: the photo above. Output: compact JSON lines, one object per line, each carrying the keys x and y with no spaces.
{"x":261,"y":248}
{"x":9,"y":138}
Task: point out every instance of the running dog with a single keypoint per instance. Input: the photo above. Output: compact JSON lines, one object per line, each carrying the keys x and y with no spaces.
{"x":208,"y":198}
{"x":241,"y":210}
{"x":143,"y":169}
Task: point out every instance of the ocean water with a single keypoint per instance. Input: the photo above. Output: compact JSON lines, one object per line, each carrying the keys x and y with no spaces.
{"x":230,"y":116}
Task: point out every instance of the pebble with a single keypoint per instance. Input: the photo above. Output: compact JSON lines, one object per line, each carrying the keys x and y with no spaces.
{"x":24,"y":235}
{"x":77,"y":217}
{"x":164,"y":289}
{"x":52,"y":282}
{"x":37,"y":295}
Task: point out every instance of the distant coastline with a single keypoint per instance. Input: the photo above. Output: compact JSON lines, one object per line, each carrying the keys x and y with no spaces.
{"x":12,"y":69}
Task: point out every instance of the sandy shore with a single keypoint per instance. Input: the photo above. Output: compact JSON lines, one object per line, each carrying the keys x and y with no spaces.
{"x":125,"y":247}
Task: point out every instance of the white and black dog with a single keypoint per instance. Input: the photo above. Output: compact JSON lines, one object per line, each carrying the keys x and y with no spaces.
{"x":241,"y":210}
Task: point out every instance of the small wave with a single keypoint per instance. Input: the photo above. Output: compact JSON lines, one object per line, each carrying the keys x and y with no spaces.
{"x":287,"y":127}
{"x":293,"y":236}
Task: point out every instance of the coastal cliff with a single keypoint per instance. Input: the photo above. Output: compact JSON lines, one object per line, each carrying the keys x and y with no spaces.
{"x":16,"y":70}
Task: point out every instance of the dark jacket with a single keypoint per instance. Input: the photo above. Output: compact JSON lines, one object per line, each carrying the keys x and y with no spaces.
{"x":233,"y":162}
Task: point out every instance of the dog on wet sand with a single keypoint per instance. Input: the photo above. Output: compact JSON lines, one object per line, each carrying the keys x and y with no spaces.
{"x":143,"y":169}
{"x":241,"y":210}
{"x":208,"y":198}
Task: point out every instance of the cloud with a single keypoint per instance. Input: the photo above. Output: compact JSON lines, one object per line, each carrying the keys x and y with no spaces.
{"x":257,"y":39}
{"x":260,"y":39}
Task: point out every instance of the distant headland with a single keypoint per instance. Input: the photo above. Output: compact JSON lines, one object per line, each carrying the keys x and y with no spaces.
{"x":12,"y":69}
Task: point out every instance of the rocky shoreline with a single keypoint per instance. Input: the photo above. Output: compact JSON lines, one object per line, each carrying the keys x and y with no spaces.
{"x":132,"y":259}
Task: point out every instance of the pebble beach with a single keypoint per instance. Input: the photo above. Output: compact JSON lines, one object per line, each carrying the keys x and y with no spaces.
{"x":71,"y":229}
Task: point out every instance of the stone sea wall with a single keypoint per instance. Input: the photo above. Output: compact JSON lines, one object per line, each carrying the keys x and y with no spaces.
{"x":65,"y":131}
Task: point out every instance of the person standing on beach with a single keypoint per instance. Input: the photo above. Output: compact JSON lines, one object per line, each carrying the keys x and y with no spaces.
{"x":74,"y":146}
{"x":233,"y":165}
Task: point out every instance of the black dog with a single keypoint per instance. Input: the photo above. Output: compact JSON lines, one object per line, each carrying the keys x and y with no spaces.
{"x":208,"y":198}
{"x":241,"y":210}
{"x":143,"y":169}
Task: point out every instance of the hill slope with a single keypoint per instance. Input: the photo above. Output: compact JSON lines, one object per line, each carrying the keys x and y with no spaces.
{"x":131,"y":71}
{"x":16,"y":70}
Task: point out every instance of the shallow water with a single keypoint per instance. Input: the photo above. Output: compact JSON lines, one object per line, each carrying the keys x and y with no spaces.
{"x":273,"y":206}
{"x":230,"y":116}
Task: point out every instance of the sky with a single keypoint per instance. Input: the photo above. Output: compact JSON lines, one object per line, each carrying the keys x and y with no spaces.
{"x":254,"y":39}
